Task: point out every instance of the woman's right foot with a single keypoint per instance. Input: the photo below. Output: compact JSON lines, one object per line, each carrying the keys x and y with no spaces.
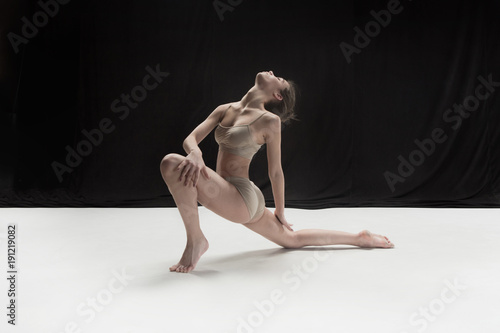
{"x":368,"y":239}
{"x":190,"y":257}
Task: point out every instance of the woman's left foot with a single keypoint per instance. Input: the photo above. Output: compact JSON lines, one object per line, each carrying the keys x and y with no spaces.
{"x":368,"y":239}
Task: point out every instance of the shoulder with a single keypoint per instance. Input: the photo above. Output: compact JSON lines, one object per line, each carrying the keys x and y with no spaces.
{"x":271,"y":125}
{"x":221,"y":109}
{"x":270,"y":118}
{"x":218,"y":113}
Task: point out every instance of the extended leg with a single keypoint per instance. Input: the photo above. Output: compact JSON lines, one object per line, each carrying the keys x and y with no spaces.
{"x":269,"y":227}
{"x":320,"y":237}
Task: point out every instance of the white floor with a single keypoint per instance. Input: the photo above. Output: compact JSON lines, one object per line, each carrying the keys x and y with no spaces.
{"x":106,"y":270}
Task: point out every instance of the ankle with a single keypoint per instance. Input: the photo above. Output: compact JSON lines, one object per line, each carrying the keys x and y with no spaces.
{"x":358,"y":240}
{"x":196,"y":239}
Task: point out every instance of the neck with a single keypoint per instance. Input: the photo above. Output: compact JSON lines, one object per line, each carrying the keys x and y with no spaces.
{"x":254,"y":98}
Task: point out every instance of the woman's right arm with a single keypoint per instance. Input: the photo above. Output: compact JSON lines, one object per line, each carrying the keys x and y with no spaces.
{"x":203,"y":129}
{"x":193,"y":164}
{"x":190,"y":145}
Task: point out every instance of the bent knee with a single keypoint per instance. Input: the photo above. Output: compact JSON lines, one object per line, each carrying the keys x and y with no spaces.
{"x":291,"y":241}
{"x":169,"y":162}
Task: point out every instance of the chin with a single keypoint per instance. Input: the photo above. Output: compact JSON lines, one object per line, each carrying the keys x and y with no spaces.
{"x":261,"y":78}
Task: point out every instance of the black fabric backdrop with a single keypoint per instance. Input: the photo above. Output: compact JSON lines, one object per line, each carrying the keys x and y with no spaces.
{"x":358,"y":119}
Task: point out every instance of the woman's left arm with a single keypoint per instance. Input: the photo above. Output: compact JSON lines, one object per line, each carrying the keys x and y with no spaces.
{"x":276,"y":175}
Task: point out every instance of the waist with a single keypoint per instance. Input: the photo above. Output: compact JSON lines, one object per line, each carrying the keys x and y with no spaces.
{"x":246,"y":152}
{"x":231,"y":165}
{"x":230,"y":178}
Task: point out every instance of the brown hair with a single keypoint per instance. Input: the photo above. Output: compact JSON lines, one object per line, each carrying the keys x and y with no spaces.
{"x":285,"y":108}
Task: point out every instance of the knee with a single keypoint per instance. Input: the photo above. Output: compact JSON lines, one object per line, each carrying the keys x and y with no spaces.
{"x":292,"y":241}
{"x":169,"y":162}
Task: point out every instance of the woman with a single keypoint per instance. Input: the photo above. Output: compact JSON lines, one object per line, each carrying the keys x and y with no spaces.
{"x":242,"y":128}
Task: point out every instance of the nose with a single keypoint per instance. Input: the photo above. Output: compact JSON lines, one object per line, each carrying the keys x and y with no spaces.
{"x":271,"y":72}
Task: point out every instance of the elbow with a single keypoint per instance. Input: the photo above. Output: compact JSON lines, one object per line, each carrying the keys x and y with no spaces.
{"x":185,"y":143}
{"x":276,"y":174}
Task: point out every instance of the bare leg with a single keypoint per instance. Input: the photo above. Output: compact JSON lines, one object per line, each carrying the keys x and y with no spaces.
{"x":186,"y":200}
{"x":216,"y":194}
{"x":271,"y":228}
{"x":320,"y":237}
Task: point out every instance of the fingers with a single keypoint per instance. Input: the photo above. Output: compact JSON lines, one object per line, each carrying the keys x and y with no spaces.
{"x":184,"y":168}
{"x":191,"y":175}
{"x":181,"y":165}
{"x":285,"y":223}
{"x":203,"y":172}
{"x":196,"y":176}
{"x":185,"y":174}
{"x":191,"y":172}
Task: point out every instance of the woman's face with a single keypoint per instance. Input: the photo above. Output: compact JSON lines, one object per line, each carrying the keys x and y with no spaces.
{"x":268,"y":82}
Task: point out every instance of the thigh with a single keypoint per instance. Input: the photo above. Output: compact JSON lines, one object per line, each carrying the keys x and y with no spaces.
{"x":271,"y":228}
{"x":219,"y":196}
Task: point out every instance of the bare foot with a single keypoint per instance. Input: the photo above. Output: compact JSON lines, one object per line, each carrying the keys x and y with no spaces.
{"x":190,"y":257}
{"x":368,"y":239}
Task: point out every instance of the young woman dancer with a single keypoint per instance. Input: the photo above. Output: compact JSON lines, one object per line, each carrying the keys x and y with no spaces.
{"x":242,"y":128}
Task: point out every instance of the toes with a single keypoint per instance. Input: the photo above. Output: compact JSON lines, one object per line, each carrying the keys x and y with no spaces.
{"x":181,"y":268}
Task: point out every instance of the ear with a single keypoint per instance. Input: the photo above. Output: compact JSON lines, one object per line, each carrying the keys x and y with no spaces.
{"x":278,"y":96}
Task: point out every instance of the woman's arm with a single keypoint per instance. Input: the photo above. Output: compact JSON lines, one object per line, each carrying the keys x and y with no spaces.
{"x":192,"y":141}
{"x":190,"y":145}
{"x":193,"y":164}
{"x":278,"y":186}
{"x":275,"y":171}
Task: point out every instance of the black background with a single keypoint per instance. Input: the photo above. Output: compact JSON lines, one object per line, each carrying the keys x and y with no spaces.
{"x":355,"y":118}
